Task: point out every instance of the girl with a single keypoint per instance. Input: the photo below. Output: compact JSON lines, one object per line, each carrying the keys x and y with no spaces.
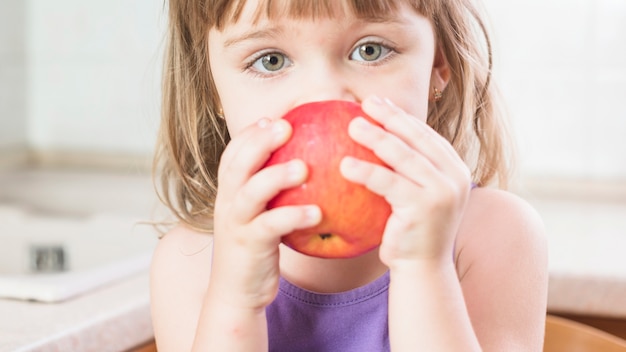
{"x":460,"y":268}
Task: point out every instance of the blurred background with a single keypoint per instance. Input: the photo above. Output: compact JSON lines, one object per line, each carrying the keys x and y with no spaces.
{"x":562,"y":68}
{"x":82,"y":78}
{"x":79,"y":77}
{"x":79,"y":112}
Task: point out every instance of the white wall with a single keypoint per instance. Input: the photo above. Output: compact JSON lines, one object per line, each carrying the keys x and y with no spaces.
{"x":94,"y":71}
{"x":563,"y":70}
{"x":12,"y":75}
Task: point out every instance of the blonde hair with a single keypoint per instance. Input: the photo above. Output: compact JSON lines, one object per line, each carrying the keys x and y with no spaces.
{"x":193,"y":136}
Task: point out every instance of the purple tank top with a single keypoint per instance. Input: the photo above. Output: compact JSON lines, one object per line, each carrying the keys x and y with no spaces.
{"x":304,"y":321}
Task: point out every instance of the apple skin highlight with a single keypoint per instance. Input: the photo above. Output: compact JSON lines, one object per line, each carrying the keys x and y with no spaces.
{"x":353,"y":217}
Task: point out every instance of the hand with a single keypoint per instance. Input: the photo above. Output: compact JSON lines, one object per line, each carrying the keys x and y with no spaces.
{"x":245,"y":260}
{"x":427,"y":186}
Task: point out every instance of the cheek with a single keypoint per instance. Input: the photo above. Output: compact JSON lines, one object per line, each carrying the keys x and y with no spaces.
{"x":245,"y":109}
{"x":412,"y":96}
{"x":237,"y":121}
{"x":238,"y":104}
{"x":245,"y":104}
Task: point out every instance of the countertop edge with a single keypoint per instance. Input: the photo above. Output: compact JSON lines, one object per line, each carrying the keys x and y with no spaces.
{"x":597,"y":296}
{"x":120,"y":330}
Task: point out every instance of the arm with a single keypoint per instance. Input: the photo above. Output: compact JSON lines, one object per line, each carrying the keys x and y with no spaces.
{"x":427,"y":310}
{"x":503,"y":268}
{"x":185,"y":316}
{"x":434,"y":305}
{"x":223,"y":308}
{"x":179,"y":274}
{"x":225,"y":327}
{"x":499,"y":303}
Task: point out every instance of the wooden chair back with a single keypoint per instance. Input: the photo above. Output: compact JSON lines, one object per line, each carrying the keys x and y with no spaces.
{"x":565,"y":335}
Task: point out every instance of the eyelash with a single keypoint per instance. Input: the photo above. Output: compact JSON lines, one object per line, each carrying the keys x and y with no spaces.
{"x":248,"y":65}
{"x":392,"y":50}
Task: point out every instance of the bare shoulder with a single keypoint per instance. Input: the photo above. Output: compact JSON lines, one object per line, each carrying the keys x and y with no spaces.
{"x":499,"y":223}
{"x":498,"y":217}
{"x":502,"y":262}
{"x":179,"y":277}
{"x":182,"y":240}
{"x":182,"y":252}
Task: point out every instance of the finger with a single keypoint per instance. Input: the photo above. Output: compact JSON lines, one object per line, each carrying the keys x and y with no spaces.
{"x":393,"y":151}
{"x":249,"y":151}
{"x":284,"y":220}
{"x":407,"y":126}
{"x":251,"y":199}
{"x":415,"y":133}
{"x":396,"y":189}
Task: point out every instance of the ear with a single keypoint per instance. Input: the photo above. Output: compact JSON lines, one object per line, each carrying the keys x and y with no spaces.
{"x":440,"y":75}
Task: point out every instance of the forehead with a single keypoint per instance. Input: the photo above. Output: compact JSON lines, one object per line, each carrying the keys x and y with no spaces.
{"x":227,"y":12}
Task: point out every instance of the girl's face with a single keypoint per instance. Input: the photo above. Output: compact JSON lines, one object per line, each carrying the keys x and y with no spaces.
{"x":266,"y":68}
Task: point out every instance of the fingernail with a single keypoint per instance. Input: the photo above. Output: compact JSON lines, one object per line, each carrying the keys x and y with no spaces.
{"x":376,"y":100}
{"x":278,"y":128}
{"x":264,"y":122}
{"x":360,"y":123}
{"x":295,"y":170}
{"x":390,"y":103}
{"x":313,"y":214}
{"x":349,"y":162}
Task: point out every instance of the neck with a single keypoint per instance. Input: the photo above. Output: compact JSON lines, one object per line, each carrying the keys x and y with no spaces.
{"x":330,"y":275}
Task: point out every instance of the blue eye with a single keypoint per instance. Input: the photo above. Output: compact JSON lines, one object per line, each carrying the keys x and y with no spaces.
{"x":270,"y":62}
{"x":369,"y":52}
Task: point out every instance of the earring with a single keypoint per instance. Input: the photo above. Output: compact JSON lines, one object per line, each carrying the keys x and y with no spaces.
{"x":220,"y":113}
{"x":437,"y":94}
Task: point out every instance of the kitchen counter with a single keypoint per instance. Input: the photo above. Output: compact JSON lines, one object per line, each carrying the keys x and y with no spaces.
{"x":587,"y":246}
{"x":587,"y":240}
{"x":114,"y":317}
{"x":111,"y":318}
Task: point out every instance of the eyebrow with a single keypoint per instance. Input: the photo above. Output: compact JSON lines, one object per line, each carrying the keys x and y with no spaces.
{"x":264,"y":33}
{"x":273,"y":32}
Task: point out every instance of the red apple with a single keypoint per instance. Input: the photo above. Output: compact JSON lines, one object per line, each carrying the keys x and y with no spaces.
{"x":353,"y":217}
